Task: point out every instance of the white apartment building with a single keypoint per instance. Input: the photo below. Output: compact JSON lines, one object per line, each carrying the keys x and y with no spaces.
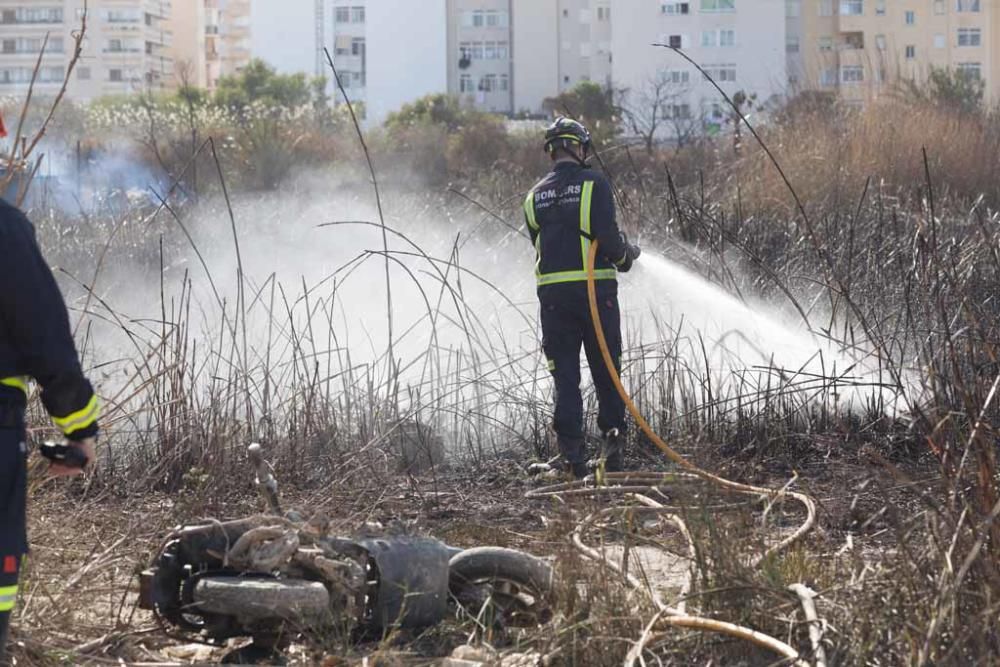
{"x":387,"y":52}
{"x":741,"y":43}
{"x":558,"y":44}
{"x":127,"y":46}
{"x":479,"y":53}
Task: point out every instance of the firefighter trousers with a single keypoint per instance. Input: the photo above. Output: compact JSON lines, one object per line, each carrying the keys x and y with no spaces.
{"x":13,"y":525}
{"x":566,"y":326}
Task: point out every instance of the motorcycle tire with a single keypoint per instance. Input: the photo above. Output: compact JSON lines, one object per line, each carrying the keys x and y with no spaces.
{"x":257,"y":599}
{"x":520,"y":585}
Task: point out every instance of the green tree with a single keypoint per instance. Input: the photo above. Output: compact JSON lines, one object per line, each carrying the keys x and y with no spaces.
{"x":951,"y":89}
{"x":590,"y":104}
{"x":438,"y":109}
{"x":259,"y":82}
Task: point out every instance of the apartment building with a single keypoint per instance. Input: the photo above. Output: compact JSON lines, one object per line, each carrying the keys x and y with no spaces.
{"x":741,"y":43}
{"x":187,"y":23}
{"x":558,"y":44}
{"x":479,"y":48}
{"x":127,"y":47}
{"x":860,"y":48}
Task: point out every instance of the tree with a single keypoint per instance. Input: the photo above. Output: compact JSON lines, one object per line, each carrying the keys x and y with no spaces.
{"x":590,"y":104}
{"x":437,"y":109}
{"x":662,"y":103}
{"x":955,"y":89}
{"x":259,"y":82}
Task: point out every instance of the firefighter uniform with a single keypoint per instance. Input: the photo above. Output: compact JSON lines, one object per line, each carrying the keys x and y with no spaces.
{"x":35,"y":343}
{"x":571,"y":206}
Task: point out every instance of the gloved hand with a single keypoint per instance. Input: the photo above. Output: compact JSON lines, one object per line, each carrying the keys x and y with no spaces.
{"x":87,"y":447}
{"x":632,"y":253}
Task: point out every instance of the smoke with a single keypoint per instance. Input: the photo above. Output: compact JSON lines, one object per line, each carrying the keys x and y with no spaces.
{"x":463,"y":311}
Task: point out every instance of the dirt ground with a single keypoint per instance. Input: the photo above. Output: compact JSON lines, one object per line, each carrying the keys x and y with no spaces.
{"x":79,"y":595}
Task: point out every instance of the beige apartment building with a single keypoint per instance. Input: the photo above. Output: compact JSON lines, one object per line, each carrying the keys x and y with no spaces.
{"x":860,"y":48}
{"x":127,"y":47}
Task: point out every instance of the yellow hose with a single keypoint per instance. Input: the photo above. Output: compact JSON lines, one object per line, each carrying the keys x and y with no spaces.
{"x":730,"y":485}
{"x":672,"y":616}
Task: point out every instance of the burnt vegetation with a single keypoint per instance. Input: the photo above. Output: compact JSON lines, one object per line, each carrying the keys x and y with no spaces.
{"x":889,"y":248}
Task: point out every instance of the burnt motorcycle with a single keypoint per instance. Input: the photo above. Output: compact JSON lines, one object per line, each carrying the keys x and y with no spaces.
{"x":275,"y":578}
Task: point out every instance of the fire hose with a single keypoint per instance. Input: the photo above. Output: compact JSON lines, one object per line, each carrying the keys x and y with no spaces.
{"x":633,"y":484}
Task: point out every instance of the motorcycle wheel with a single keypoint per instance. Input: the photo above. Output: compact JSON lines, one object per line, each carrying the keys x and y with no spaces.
{"x":514,"y":587}
{"x":257,"y":599}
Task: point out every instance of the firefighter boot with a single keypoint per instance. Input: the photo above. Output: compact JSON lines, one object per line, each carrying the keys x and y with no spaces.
{"x":573,"y":452}
{"x":614,"y":451}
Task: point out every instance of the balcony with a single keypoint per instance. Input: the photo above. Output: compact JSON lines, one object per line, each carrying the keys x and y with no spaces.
{"x":852,"y":41}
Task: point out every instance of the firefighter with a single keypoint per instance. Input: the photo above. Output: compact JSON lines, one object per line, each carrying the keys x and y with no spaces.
{"x":565,"y":211}
{"x":35,"y":343}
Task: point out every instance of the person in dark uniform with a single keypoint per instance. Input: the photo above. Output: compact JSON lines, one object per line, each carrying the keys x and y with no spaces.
{"x":35,"y":343}
{"x":568,"y":209}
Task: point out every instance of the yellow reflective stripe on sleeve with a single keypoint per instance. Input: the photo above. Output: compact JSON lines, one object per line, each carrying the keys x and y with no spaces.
{"x":575,"y":276}
{"x":80,"y":419}
{"x":529,"y":210}
{"x":552,"y":365}
{"x":585,"y":199}
{"x":16,"y":382}
{"x":8,"y":596}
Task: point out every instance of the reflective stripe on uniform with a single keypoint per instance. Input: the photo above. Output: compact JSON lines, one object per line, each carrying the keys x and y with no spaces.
{"x":8,"y":595}
{"x":529,"y":210}
{"x":575,"y":276}
{"x":16,"y":382}
{"x":585,"y":199}
{"x":80,"y":419}
{"x":552,"y":365}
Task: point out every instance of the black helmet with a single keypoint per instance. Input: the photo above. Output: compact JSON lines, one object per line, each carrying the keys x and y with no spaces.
{"x":564,"y":132}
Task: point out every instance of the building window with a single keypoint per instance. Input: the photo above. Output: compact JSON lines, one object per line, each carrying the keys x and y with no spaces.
{"x":677,"y":111}
{"x":504,"y":83}
{"x":939,"y":7}
{"x":465,"y":84}
{"x":83,"y":73}
{"x":342,"y":45}
{"x":675,"y":41}
{"x":792,"y":43}
{"x":911,"y":52}
{"x":970,"y":37}
{"x":358,"y":46}
{"x":477,"y":50}
{"x":496,"y":19}
{"x":879,"y":7}
{"x":357,"y":14}
{"x":727,"y":38}
{"x":718,"y":5}
{"x":674,"y":8}
{"x":852,"y":74}
{"x":603,"y":13}
{"x":342,"y":15}
{"x":967,"y":5}
{"x":826,"y":43}
{"x":503,"y":52}
{"x":911,"y":17}
{"x":826,"y":7}
{"x":678,"y":76}
{"x":722,"y":73}
{"x":939,"y":41}
{"x":828,"y":77}
{"x":852,"y":7}
{"x":708,"y":38}
{"x":880,"y":42}
{"x":792,"y":9}
{"x":115,"y":75}
{"x":971,"y":70}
